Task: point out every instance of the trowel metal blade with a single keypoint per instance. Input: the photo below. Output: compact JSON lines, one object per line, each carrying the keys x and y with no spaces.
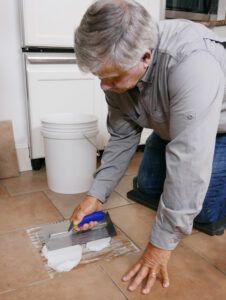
{"x":56,"y":236}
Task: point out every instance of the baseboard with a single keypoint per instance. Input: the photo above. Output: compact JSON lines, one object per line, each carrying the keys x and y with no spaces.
{"x":23,"y":158}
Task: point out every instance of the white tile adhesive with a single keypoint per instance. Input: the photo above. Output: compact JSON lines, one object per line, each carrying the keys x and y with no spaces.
{"x":65,"y":259}
{"x":98,"y":245}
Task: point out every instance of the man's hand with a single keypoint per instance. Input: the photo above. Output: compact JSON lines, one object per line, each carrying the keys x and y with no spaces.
{"x":153,"y":262}
{"x":86,"y":207}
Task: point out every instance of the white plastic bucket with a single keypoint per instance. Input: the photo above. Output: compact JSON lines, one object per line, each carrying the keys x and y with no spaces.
{"x":70,"y":152}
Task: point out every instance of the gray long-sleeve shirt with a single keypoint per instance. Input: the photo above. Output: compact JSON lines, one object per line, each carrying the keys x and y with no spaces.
{"x":182,"y":97}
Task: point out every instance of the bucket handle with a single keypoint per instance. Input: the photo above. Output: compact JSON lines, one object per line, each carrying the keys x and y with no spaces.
{"x":92,"y":143}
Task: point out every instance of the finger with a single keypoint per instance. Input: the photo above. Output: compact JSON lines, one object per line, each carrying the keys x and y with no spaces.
{"x":150,"y":282}
{"x":77,"y":215}
{"x":87,"y":226}
{"x":93,"y":224}
{"x":84,"y":227}
{"x":132,"y":272}
{"x":165,"y":277}
{"x":139,"y":278}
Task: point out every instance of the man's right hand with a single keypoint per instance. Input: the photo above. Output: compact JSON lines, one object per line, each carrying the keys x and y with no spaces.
{"x":87,"y":206}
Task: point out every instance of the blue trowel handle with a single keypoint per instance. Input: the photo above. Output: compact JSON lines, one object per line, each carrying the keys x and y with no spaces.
{"x":96,"y":216}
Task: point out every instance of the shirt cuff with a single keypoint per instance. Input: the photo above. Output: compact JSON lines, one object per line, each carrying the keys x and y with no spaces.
{"x":98,"y":195}
{"x":163,"y":239}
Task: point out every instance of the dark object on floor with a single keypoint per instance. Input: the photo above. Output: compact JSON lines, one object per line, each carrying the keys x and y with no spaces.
{"x":216,"y":228}
{"x":37,"y":163}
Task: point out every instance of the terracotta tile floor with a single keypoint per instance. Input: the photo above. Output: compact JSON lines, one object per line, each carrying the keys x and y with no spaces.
{"x":197,"y":267}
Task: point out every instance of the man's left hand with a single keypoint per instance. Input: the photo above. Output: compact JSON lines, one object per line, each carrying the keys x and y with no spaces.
{"x":152,"y":263}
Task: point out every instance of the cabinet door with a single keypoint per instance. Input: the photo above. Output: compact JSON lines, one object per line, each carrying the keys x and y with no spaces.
{"x":51,"y":22}
{"x":55,"y":86}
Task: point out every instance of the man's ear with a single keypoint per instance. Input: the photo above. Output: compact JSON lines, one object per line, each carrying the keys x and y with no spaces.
{"x":147,"y":58}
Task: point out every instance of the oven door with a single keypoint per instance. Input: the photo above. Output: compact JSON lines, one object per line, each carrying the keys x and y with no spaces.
{"x":56,"y":85}
{"x":198,"y":10}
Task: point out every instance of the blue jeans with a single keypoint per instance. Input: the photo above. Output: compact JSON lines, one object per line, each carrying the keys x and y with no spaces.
{"x":152,"y":173}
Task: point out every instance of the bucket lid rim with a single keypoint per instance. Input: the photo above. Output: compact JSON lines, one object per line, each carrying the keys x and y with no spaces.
{"x":49,"y":118}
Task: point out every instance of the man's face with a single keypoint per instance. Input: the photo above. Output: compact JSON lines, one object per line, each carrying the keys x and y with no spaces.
{"x":119,"y":81}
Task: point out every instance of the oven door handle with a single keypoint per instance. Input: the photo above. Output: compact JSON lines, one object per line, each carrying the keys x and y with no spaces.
{"x":50,"y":60}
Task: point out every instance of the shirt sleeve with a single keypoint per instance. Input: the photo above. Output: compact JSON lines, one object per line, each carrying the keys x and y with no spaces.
{"x":196,"y":91}
{"x":124,"y":139}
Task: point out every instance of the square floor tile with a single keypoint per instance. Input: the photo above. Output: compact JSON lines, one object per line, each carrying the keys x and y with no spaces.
{"x":89,"y":282}
{"x":135,"y":220}
{"x":30,"y":181}
{"x":26,"y":210}
{"x":67,"y":203}
{"x":212,"y":248}
{"x":191,"y":277}
{"x":20,"y":263}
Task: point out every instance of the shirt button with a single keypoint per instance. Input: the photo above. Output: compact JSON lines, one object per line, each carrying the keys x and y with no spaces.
{"x":190,"y":117}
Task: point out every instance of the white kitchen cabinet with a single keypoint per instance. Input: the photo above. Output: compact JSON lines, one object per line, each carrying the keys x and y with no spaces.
{"x":51,"y":23}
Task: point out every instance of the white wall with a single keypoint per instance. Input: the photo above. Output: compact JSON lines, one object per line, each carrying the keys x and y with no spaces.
{"x":12,"y":93}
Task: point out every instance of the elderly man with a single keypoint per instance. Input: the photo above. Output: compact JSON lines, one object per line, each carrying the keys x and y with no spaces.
{"x":169,"y":77}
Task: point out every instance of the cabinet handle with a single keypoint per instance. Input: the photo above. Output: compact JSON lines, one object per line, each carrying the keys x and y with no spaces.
{"x":51,"y":60}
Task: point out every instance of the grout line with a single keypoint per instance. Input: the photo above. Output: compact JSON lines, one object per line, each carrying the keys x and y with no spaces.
{"x":25,"y":286}
{"x":129,"y":238}
{"x":7,"y":291}
{"x":124,"y":198}
{"x":38,"y":282}
{"x":203,"y":257}
{"x":39,"y":190}
{"x":110,"y":208}
{"x":23,"y":229}
{"x":24,"y":193}
{"x":113,"y":281}
{"x":53,"y":204}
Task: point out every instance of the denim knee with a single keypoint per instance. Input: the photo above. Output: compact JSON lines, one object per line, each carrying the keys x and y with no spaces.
{"x":214,"y":205}
{"x":152,"y":171}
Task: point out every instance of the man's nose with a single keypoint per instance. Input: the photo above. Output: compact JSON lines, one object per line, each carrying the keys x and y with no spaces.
{"x":105,"y":85}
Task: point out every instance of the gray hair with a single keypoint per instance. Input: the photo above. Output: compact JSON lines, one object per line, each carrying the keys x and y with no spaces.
{"x":116,"y":32}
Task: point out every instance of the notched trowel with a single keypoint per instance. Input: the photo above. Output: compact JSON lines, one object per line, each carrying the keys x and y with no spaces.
{"x":56,"y":235}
